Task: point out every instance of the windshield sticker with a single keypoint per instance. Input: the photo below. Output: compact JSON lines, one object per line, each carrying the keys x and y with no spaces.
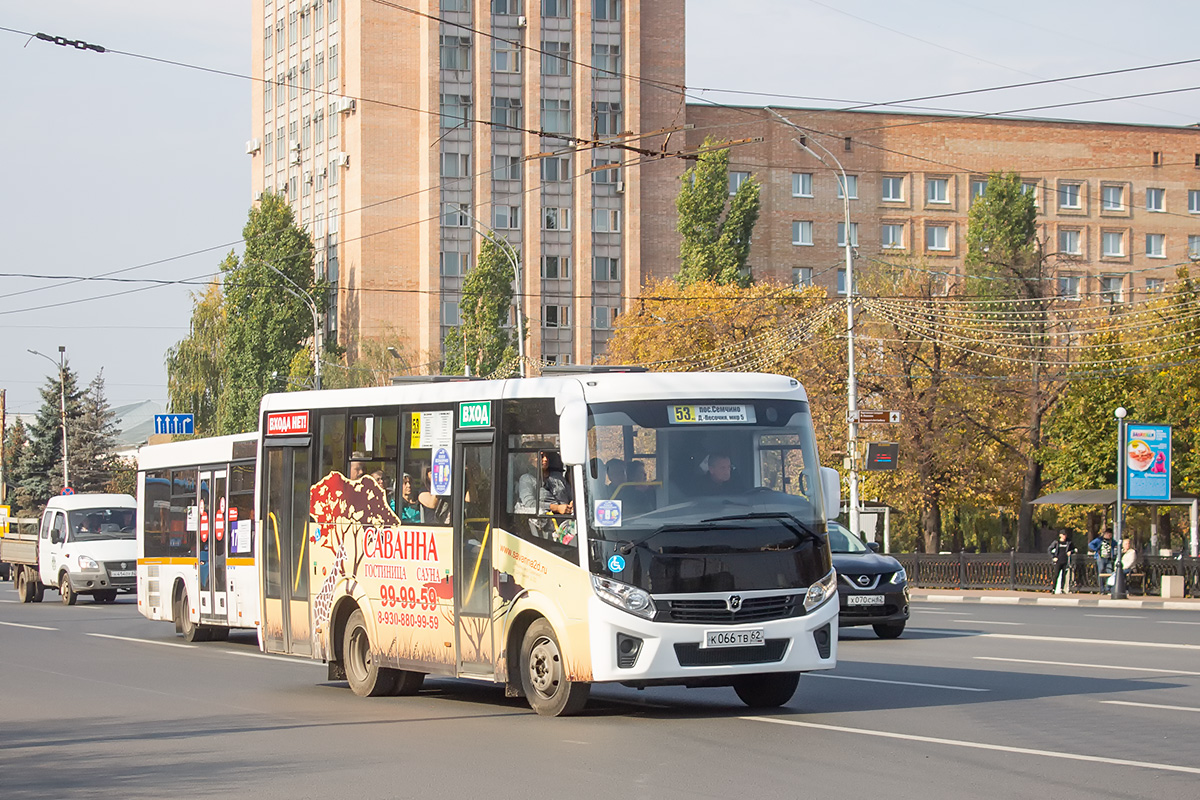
{"x":616,"y":564}
{"x":709,"y":414}
{"x":608,"y":513}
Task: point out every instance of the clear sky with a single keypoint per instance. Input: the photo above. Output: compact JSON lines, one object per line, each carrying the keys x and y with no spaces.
{"x":115,"y":162}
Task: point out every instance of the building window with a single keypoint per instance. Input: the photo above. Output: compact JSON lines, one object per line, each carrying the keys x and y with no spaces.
{"x":802,"y":184}
{"x":1112,"y":198}
{"x":506,"y":168}
{"x":455,"y":5}
{"x":606,"y":58}
{"x":802,"y":232}
{"x":841,"y":234}
{"x":293,"y":84}
{"x":1194,"y":201}
{"x":556,"y":168}
{"x":1068,"y":287}
{"x":802,"y":276}
{"x":556,"y":316}
{"x":603,"y":317}
{"x":937,"y":190}
{"x":454,"y":264}
{"x":456,"y":216}
{"x":1156,"y":199}
{"x":937,"y":237}
{"x":1156,"y":158}
{"x":280,"y":40}
{"x":841,"y":281}
{"x":319,"y":126}
{"x":606,"y":220}
{"x":454,"y":110}
{"x":505,"y":6}
{"x":556,"y":8}
{"x":608,"y":118}
{"x":1193,"y":240}
{"x":1156,"y":244}
{"x":506,"y":112}
{"x":508,"y":217}
{"x":319,"y":70}
{"x":556,"y":219}
{"x":606,"y":9}
{"x":978,"y":188}
{"x":1112,"y":244}
{"x":1112,"y":288}
{"x":450,"y":313}
{"x":305,"y":24}
{"x":556,"y":267}
{"x":1155,"y":285}
{"x":267,"y":94}
{"x":456,"y":52}
{"x":851,"y":187}
{"x":556,"y":116}
{"x":893,"y":236}
{"x":456,"y":165}
{"x":506,"y":56}
{"x":1030,"y":187}
{"x":333,"y":62}
{"x":556,"y":58}
{"x":292,"y":18}
{"x":736,"y":179}
{"x":306,"y":134}
{"x":604,"y":171}
{"x":333,"y":11}
{"x":1069,"y":195}
{"x":1069,"y":242}
{"x":605,"y":268}
{"x":892,"y":188}
{"x":333,"y":121}
{"x":267,"y":40}
{"x":319,"y":13}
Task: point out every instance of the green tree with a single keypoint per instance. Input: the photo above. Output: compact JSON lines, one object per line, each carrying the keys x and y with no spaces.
{"x":194,"y":371}
{"x":267,"y":313}
{"x":93,"y":441}
{"x":716,"y":229}
{"x":482,"y":341}
{"x":40,"y":467}
{"x":1008,"y":265}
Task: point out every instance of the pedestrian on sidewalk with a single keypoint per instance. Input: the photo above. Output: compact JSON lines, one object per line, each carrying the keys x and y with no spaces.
{"x":1105,"y":553}
{"x":1060,"y":554}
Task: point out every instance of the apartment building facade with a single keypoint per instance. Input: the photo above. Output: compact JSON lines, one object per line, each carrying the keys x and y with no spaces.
{"x":1118,"y":205}
{"x":403,"y":134}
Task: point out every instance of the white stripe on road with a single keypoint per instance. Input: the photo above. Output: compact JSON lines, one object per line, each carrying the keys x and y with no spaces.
{"x":915,"y":611}
{"x":1175,"y":622}
{"x":1065,"y":639}
{"x":987,"y":622}
{"x":140,"y":641}
{"x":999,"y":748}
{"x":1149,"y":705}
{"x":897,"y":683}
{"x":1115,"y":616}
{"x":1087,"y":666}
{"x":31,"y":627}
{"x":299,"y":660}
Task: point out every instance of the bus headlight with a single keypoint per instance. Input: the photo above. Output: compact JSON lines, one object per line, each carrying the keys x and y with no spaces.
{"x":86,"y":563}
{"x":625,"y":597}
{"x":820,"y":591}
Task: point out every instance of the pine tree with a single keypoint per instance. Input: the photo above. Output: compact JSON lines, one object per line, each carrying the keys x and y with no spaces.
{"x":93,"y":441}
{"x":15,"y":443}
{"x":41,"y":462}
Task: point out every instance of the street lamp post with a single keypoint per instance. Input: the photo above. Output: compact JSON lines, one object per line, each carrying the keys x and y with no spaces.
{"x":1118,"y":587}
{"x":851,"y":378}
{"x":511,"y":254}
{"x":62,"y":395}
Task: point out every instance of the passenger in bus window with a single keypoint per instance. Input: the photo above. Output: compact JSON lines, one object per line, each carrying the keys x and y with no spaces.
{"x":639,"y":497}
{"x":718,"y":474}
{"x":617,"y":476}
{"x":410,"y":509}
{"x":556,"y":495}
{"x":435,"y":508}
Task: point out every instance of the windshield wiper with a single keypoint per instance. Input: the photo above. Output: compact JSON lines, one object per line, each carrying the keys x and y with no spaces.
{"x":790,"y":522}
{"x":625,"y":548}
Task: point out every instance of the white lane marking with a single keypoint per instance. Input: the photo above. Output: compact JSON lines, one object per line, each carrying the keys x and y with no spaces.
{"x":987,"y":622}
{"x":1116,"y":616}
{"x":1087,"y":666}
{"x":1066,"y":639}
{"x":273,"y":658}
{"x":898,"y":683}
{"x":140,"y":641}
{"x":1000,"y":748}
{"x":1149,"y":705}
{"x":922,"y":611}
{"x":1175,"y":622}
{"x":31,"y":627}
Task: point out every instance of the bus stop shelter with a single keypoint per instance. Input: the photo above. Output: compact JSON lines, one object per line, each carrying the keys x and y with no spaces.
{"x":1108,"y":498}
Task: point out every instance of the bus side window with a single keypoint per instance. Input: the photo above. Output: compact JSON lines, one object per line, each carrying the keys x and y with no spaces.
{"x":531,"y":427}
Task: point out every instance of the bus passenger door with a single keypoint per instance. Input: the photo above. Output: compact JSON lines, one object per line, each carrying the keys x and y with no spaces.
{"x":284,"y":548}
{"x":474,"y":468}
{"x":214,"y":547}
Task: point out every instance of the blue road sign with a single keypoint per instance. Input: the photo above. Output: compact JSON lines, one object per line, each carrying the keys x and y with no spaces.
{"x":174,"y":423}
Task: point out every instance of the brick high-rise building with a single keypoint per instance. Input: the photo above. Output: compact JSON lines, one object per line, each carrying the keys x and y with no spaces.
{"x":400,"y":140}
{"x":1119,"y":205}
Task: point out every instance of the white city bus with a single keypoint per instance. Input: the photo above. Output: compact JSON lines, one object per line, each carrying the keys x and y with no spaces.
{"x":425,"y":529}
{"x":195,"y":535}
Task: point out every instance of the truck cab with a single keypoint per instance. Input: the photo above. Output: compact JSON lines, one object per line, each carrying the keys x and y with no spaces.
{"x":87,"y":545}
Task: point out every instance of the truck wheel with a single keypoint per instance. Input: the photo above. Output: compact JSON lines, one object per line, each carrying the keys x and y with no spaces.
{"x":24,"y":588}
{"x":69,"y":597}
{"x":544,"y":676}
{"x":365,"y":676}
{"x":767,"y":691}
{"x":39,"y":589}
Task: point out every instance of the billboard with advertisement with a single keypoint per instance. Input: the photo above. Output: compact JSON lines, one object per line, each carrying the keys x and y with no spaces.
{"x":1147,"y":454}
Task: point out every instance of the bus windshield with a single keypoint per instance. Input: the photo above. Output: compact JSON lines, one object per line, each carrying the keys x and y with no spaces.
{"x":701,"y":465}
{"x":91,"y":524}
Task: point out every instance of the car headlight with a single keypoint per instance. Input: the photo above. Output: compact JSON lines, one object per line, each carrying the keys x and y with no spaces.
{"x":87,"y":563}
{"x":625,"y":597}
{"x":899,"y":577}
{"x":820,"y":591}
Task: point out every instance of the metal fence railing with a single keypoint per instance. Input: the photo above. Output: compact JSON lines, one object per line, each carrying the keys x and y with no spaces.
{"x":1035,"y":572}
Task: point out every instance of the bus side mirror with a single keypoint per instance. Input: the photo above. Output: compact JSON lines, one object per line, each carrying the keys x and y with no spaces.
{"x":831,"y":491}
{"x":572,"y":428}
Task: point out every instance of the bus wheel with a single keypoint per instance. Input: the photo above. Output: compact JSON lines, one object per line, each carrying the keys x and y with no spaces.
{"x":365,"y":676}
{"x":544,"y":677}
{"x":68,"y":594}
{"x":192,"y":631}
{"x":767,"y":691}
{"x":408,"y":682}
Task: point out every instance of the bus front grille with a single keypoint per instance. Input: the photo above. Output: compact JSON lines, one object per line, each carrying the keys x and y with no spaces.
{"x":716,"y":611}
{"x":691,"y":654}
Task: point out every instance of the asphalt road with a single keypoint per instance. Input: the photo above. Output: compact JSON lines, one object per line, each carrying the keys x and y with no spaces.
{"x":985,"y":701}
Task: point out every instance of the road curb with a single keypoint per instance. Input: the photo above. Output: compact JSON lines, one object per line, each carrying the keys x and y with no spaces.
{"x":1074,"y":602}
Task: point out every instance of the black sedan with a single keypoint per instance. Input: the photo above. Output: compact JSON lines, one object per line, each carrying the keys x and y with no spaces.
{"x":873,"y":588}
